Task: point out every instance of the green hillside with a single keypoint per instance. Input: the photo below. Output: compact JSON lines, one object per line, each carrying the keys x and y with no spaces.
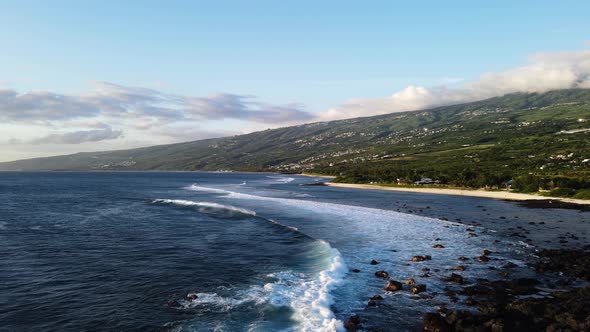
{"x":475,"y":144}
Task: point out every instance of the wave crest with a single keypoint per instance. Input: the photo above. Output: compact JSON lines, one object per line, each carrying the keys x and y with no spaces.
{"x":307,"y":295}
{"x":196,"y":187}
{"x":281,"y":179}
{"x":206,"y":207}
{"x":311,"y":299}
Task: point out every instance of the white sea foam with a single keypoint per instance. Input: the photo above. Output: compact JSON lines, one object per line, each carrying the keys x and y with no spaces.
{"x":332,"y":208}
{"x":213,"y":300}
{"x":204,"y":205}
{"x":526,"y":245}
{"x":310,"y":298}
{"x":308,"y":295}
{"x":281,"y":179}
{"x":289,"y":227}
{"x":375,"y":232}
{"x":196,"y":187}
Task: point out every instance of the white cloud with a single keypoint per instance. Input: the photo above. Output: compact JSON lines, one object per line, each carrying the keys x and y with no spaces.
{"x":76,"y":137}
{"x":41,"y":105}
{"x":117,"y":101}
{"x":46,"y":123}
{"x":545,"y":72}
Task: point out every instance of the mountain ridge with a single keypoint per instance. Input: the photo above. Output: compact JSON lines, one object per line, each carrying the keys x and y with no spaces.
{"x":392,"y":141}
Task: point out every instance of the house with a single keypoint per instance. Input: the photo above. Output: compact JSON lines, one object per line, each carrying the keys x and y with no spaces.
{"x":425,"y":181}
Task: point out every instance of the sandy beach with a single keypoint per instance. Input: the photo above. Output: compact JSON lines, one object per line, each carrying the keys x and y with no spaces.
{"x":458,"y":192}
{"x":317,"y":175}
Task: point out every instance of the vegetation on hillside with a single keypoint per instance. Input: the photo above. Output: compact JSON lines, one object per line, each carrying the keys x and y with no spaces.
{"x":529,"y":141}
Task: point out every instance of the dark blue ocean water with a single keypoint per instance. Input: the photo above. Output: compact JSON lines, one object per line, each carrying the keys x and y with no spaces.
{"x":109,"y":251}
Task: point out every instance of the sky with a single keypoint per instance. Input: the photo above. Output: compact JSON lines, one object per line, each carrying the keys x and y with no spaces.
{"x":105,"y":75}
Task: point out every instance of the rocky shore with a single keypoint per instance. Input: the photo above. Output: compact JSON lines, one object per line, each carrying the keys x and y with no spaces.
{"x":523,"y":304}
{"x":553,"y":204}
{"x":553,"y":296}
{"x":549,"y":293}
{"x":518,"y":304}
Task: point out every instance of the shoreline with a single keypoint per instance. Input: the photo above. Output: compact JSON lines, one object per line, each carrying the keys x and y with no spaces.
{"x":314,"y":175}
{"x":504,"y":195}
{"x":545,"y":292}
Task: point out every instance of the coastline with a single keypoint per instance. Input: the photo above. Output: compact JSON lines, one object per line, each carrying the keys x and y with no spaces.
{"x":510,"y":297}
{"x":317,"y":175}
{"x":505,"y":195}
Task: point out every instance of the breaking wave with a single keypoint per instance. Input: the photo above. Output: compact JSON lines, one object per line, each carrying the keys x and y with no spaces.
{"x":333,"y":208}
{"x":206,"y":207}
{"x":281,"y":179}
{"x":307,"y":295}
{"x":310,"y":299}
{"x":196,"y":187}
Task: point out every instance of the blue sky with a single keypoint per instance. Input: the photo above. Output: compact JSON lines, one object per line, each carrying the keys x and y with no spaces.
{"x":315,"y":54}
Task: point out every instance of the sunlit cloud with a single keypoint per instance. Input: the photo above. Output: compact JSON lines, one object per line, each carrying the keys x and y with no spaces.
{"x":112,"y":116}
{"x":544,"y":72}
{"x":118,"y":101}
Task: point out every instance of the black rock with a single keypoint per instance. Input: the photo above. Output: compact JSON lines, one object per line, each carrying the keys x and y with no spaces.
{"x":434,"y":322}
{"x":455,"y":278}
{"x":352,"y":323}
{"x":418,"y":289}
{"x":482,"y":259}
{"x":393,"y":286}
{"x":173,"y":304}
{"x":421,"y":258}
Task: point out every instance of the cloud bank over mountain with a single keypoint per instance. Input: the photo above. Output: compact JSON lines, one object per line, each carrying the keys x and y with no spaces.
{"x":117,"y":101}
{"x":544,"y":72}
{"x":112,"y":116}
{"x":80,"y":136}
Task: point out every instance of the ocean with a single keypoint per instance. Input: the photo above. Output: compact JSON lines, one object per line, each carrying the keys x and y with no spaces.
{"x":189,"y":251}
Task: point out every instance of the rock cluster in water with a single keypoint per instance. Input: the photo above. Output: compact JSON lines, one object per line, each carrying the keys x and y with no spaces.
{"x":503,"y":307}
